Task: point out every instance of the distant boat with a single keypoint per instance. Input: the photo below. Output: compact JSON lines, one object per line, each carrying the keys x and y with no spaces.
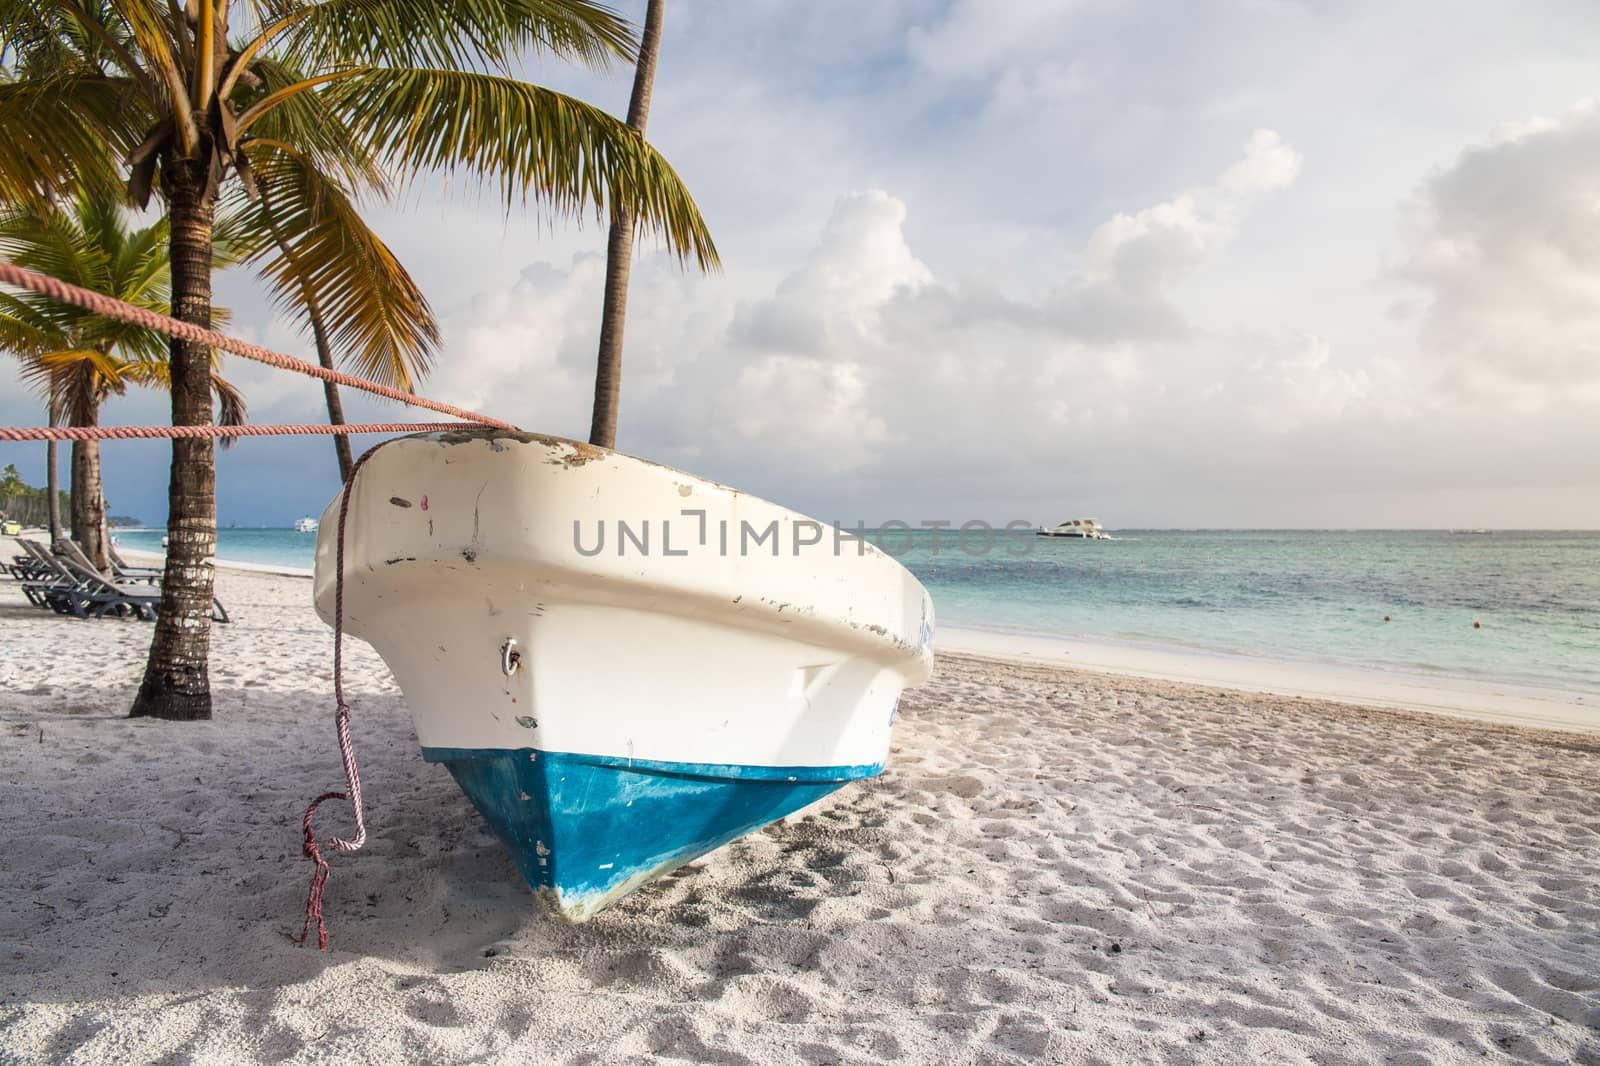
{"x":305,"y":525}
{"x":1472,"y":532}
{"x":616,"y":674}
{"x":1077,"y":529}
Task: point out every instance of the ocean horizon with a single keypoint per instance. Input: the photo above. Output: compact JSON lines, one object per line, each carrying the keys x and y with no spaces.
{"x":1318,"y":597}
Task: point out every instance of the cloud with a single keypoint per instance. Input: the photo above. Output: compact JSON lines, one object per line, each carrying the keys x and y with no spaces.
{"x":977,"y":38}
{"x":830,"y":306}
{"x":1268,"y":164}
{"x":1134,"y":260}
{"x":1505,"y":246}
{"x":1290,"y":383}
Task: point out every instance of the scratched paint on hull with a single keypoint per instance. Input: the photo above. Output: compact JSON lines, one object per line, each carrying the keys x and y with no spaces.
{"x":586,"y":830}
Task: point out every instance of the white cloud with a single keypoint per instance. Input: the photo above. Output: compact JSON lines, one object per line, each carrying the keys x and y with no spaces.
{"x":1268,"y":164}
{"x":1133,"y":260}
{"x":829,"y":307}
{"x":1505,"y":245}
{"x":1292,"y":384}
{"x":977,"y":38}
{"x":813,"y":409}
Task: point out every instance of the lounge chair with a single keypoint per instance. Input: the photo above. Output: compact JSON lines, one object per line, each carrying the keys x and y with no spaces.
{"x":72,"y":550}
{"x":132,"y":594}
{"x":93,"y":596}
{"x":55,"y":580}
{"x":26,"y":567}
{"x":125,"y":572}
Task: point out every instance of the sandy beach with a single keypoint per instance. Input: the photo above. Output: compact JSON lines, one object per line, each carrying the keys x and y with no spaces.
{"x":1059,"y":866}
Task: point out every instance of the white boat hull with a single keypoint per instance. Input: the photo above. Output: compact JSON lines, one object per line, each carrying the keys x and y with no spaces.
{"x":675,"y":684}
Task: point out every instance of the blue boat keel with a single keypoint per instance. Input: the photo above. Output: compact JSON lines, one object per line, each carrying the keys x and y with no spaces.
{"x":586,"y":830}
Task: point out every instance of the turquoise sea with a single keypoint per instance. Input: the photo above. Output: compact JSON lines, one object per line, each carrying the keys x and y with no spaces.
{"x":265,"y":547}
{"x":1316,"y":597}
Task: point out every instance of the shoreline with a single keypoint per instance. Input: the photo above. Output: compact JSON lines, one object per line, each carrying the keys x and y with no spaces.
{"x":1502,"y":703}
{"x":277,"y":569}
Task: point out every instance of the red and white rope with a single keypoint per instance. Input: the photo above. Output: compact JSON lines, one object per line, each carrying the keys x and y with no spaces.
{"x":352,"y":779}
{"x":101,"y":304}
{"x":13,"y":433}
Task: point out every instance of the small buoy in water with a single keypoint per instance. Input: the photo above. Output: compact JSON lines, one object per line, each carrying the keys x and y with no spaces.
{"x":1476,"y":624}
{"x":1385,"y":618}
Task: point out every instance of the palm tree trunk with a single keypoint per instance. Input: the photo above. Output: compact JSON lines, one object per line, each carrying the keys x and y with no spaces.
{"x":177,"y":682}
{"x":88,"y":501}
{"x":619,"y":252}
{"x":52,"y":480}
{"x":330,"y":391}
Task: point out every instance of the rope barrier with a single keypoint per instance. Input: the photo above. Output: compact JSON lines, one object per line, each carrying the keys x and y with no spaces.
{"x":9,"y":433}
{"x":101,"y":304}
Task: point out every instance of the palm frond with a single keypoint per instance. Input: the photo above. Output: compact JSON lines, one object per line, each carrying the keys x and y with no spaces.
{"x":141,"y":269}
{"x":74,"y":356}
{"x":305,"y":121}
{"x":92,"y":246}
{"x":64,"y":132}
{"x":101,"y":39}
{"x":57,"y":243}
{"x":537,"y":144}
{"x":103,"y":365}
{"x":23,"y":331}
{"x":75,"y":380}
{"x":320,"y":256}
{"x":231,"y":408}
{"x":456,"y":34}
{"x":159,"y":44}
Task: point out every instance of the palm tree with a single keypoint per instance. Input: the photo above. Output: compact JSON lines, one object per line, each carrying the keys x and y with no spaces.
{"x":343,"y":89}
{"x":619,"y":251}
{"x":78,"y":359}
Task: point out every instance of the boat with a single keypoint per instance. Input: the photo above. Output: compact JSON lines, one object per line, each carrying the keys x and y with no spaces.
{"x":305,"y":525}
{"x":1077,"y":529}
{"x":623,"y":666}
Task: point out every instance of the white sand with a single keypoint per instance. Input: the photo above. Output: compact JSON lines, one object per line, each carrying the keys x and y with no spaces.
{"x":1058,"y":866}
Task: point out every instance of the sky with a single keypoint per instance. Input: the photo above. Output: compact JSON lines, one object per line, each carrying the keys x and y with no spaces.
{"x":1224,"y":264}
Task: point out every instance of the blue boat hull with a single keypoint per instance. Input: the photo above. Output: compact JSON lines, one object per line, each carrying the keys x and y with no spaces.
{"x":586,"y":830}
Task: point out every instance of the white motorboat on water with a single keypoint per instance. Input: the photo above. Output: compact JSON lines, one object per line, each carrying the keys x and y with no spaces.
{"x":1077,"y":529}
{"x":623,"y":666}
{"x":305,"y":525}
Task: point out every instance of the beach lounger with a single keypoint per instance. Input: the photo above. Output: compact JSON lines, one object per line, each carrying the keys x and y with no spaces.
{"x":26,"y":567}
{"x":94,"y":596}
{"x":148,"y":574}
{"x":56,"y":581}
{"x":123,"y":574}
{"x":98,"y":595}
{"x":71,"y":550}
